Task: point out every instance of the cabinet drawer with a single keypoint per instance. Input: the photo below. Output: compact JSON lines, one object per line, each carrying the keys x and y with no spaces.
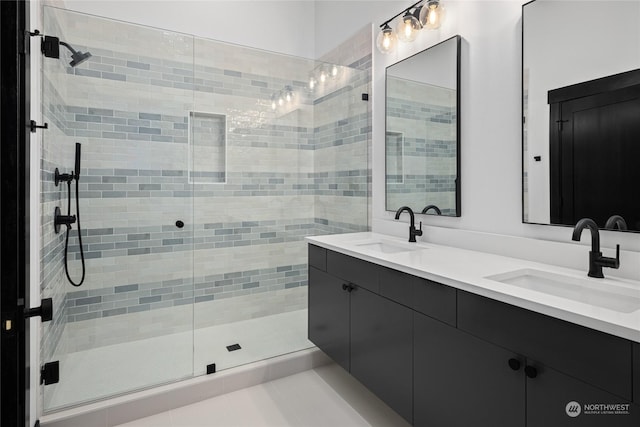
{"x":318,"y":257}
{"x":397,"y":286}
{"x":594,"y":357}
{"x":353,"y":270}
{"x":427,"y":297}
{"x":435,"y":300}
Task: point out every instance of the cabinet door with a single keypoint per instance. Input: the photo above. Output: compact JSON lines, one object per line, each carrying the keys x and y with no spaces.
{"x":329,"y":316}
{"x":462,"y":381}
{"x":550,"y":395}
{"x":381,"y":349}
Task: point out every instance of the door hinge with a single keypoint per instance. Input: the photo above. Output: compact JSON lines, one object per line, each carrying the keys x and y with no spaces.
{"x":33,"y":126}
{"x":50,"y":373}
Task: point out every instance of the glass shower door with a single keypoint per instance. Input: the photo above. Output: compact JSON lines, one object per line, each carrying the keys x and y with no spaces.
{"x":272,"y":157}
{"x":130,"y":324}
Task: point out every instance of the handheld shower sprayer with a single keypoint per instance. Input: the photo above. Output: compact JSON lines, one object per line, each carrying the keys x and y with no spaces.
{"x":69,"y":219}
{"x":76,"y":172}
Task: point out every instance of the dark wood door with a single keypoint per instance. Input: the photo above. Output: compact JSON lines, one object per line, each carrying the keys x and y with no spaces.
{"x":555,"y":399}
{"x":462,"y":381}
{"x":329,"y":316}
{"x":382,"y":349}
{"x":594,"y":158}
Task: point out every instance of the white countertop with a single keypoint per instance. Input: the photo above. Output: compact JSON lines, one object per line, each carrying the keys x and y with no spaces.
{"x":468,"y":271}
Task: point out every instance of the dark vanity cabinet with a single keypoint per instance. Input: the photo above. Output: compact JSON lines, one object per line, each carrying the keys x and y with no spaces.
{"x":462,"y":381}
{"x":367,"y":334}
{"x":539,"y":365}
{"x":445,"y":357}
{"x":329,"y":316}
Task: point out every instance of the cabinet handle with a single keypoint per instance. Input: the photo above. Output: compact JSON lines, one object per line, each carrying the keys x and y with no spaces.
{"x":514,"y":364}
{"x":530,"y":371}
{"x":348,"y":287}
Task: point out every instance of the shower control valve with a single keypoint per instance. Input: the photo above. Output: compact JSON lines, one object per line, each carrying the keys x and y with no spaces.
{"x":59,"y":219}
{"x":61,"y":177}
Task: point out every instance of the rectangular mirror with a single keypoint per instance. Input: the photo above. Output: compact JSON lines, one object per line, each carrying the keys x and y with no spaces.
{"x":423,"y":131}
{"x":581,"y":110}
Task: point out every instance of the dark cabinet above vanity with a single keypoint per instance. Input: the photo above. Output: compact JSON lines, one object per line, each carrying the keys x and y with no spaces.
{"x":441,"y":356}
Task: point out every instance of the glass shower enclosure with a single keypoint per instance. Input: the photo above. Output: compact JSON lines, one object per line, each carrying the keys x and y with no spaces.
{"x":204,"y":166}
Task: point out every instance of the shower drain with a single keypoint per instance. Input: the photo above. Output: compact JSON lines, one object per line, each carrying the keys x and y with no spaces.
{"x":233,"y":347}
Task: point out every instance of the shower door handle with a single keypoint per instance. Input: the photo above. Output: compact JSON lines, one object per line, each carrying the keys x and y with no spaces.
{"x":45,"y":311}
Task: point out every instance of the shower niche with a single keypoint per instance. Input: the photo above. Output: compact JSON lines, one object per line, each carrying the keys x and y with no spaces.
{"x":187,"y":183}
{"x":208,"y":148}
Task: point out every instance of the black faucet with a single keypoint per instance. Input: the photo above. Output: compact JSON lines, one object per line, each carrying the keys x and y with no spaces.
{"x":434,"y":207}
{"x":412,"y":228}
{"x":616,"y":221}
{"x":596,"y":260}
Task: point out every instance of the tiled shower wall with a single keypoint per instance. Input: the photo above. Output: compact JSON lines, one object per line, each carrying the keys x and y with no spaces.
{"x":427,"y":132}
{"x":299,"y":170}
{"x":337,"y":152}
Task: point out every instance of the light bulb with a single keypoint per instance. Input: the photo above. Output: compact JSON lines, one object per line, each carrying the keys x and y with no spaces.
{"x":432,"y":15}
{"x":334,"y":71}
{"x":408,"y":28}
{"x":273,"y":105}
{"x":312,"y":82}
{"x":323,"y":77}
{"x":386,"y":40}
{"x":280,"y":101}
{"x":288,"y":97}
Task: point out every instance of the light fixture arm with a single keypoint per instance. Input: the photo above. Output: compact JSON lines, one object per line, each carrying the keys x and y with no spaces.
{"x":401,"y":12}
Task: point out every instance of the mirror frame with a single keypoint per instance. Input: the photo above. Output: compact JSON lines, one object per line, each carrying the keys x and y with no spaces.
{"x":458,"y":197}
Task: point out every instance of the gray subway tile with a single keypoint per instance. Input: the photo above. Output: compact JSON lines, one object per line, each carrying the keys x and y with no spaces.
{"x":151,"y":131}
{"x":114,"y":312}
{"x":114,"y":76}
{"x":148,"y":116}
{"x":89,"y":300}
{"x":139,"y":251}
{"x":148,"y":300}
{"x":126,"y":288}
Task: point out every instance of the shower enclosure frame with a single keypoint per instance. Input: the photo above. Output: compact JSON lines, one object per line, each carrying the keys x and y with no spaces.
{"x":14,"y":169}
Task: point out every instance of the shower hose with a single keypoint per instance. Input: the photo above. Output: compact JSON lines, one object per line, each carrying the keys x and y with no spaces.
{"x":66,"y":243}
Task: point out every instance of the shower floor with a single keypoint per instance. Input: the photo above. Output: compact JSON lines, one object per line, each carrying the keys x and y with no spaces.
{"x":117,"y":369}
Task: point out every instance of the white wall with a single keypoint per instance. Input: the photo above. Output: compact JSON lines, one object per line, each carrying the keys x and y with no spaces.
{"x":279,"y":26}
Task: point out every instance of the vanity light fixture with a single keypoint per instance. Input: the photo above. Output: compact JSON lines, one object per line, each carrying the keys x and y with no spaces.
{"x":282,"y":97}
{"x":427,"y":14}
{"x":322,"y":74}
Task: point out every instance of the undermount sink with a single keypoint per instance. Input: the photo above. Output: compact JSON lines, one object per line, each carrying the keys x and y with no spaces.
{"x":389,"y":247}
{"x":600,"y":293}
